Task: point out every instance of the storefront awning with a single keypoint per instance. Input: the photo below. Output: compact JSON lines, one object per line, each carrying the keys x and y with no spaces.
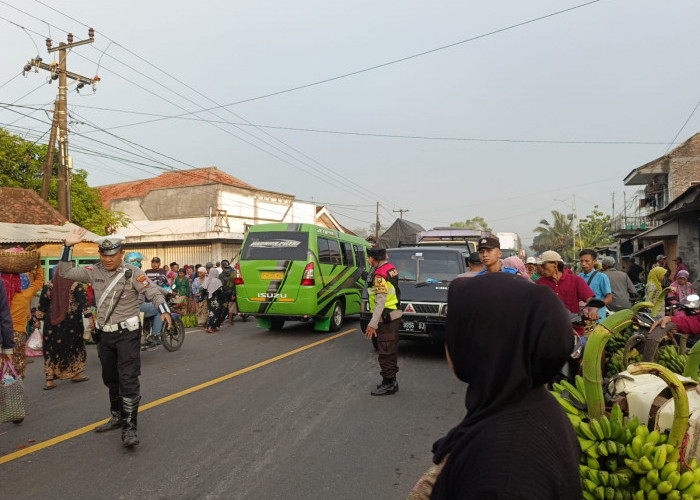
{"x":646,"y":249}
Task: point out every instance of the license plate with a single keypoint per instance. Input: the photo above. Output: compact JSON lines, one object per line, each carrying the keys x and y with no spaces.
{"x":272,"y":275}
{"x":413,"y":326}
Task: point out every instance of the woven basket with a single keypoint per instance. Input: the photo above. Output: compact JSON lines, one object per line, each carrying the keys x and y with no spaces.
{"x":18,"y":262}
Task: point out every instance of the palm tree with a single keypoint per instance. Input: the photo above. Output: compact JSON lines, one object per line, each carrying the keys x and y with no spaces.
{"x":557,"y":236}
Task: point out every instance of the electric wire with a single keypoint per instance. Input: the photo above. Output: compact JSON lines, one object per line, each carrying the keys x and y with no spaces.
{"x":383,"y":65}
{"x":673,"y":141}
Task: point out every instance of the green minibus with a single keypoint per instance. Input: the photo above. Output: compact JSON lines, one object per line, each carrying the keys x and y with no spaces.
{"x":300,"y":272}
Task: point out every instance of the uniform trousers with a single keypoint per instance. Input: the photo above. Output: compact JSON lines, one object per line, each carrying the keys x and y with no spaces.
{"x":388,"y":346}
{"x":120,"y":355}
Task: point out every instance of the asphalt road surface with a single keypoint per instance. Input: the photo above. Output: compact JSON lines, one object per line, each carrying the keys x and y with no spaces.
{"x":243,"y":413}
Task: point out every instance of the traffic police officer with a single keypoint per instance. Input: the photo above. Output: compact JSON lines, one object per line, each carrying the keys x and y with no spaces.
{"x":384,"y":297}
{"x":117,"y":286}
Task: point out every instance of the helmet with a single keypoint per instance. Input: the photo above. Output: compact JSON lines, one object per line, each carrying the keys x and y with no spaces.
{"x":134,"y":258}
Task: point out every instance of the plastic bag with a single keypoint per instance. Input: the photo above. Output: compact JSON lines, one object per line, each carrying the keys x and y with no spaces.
{"x":34,"y":345}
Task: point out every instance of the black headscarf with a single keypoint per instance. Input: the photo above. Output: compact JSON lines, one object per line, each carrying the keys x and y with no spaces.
{"x":506,"y":338}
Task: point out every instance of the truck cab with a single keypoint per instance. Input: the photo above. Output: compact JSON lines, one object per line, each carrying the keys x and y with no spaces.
{"x":425,"y":274}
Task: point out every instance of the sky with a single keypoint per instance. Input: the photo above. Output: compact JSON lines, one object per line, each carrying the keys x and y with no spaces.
{"x":447,"y":110}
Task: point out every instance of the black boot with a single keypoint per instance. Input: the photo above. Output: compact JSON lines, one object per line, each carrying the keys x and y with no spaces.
{"x":115,"y":407}
{"x":388,"y":386}
{"x":131,"y":410}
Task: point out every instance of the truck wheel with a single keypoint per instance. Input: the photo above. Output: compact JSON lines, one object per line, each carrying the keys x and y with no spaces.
{"x":338,"y":316}
{"x":276,"y":323}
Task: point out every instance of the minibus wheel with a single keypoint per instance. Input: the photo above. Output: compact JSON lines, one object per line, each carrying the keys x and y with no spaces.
{"x":338,"y":315}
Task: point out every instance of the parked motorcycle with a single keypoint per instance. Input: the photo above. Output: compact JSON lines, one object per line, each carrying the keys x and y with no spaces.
{"x":171,"y":338}
{"x":573,"y":364}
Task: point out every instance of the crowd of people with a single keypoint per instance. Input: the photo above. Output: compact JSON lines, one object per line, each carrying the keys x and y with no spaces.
{"x":208,"y":291}
{"x":62,"y":304}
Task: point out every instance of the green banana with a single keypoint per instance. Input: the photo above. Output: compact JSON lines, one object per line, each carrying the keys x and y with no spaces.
{"x":660,"y":457}
{"x":573,"y":391}
{"x":593,"y":357}
{"x":605,"y":424}
{"x":597,"y":429}
{"x":693,"y":363}
{"x":585,"y":428}
{"x":680,"y":400}
{"x":685,"y":480}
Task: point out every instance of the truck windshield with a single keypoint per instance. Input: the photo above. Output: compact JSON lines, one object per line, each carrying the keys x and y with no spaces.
{"x":275,"y":245}
{"x":425,"y":266}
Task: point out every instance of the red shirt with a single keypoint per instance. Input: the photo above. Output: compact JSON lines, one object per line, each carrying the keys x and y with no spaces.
{"x":571,"y":289}
{"x":687,"y":324}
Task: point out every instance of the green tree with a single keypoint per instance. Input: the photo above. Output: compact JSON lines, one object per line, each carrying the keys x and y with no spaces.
{"x":22,"y":165}
{"x":557,"y":236}
{"x":477,"y":223}
{"x":595,"y":230}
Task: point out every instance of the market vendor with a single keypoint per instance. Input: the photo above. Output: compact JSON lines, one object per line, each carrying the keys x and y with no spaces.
{"x":684,"y":324}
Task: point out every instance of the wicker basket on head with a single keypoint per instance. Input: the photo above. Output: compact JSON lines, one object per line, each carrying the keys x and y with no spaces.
{"x":18,"y":262}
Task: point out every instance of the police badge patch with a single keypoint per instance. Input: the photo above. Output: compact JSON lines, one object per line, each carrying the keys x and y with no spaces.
{"x":143,"y":280}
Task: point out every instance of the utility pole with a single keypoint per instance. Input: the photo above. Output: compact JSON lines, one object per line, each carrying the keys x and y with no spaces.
{"x":48,"y":161}
{"x":401,"y":211}
{"x":376,"y":225}
{"x":59,"y":127}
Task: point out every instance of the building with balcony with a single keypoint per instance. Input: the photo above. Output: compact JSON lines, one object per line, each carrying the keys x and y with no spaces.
{"x":668,"y":209}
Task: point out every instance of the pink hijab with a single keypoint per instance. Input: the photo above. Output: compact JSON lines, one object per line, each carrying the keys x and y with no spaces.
{"x":516,"y":263}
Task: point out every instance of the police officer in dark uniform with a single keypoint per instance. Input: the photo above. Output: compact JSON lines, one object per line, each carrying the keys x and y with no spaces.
{"x":117,"y":286}
{"x":384,"y":297}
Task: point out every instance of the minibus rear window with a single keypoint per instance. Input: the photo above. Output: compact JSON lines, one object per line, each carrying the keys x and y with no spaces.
{"x":276,"y":245}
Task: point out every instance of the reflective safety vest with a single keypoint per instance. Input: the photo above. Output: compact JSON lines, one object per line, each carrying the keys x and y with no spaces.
{"x":385,"y":280}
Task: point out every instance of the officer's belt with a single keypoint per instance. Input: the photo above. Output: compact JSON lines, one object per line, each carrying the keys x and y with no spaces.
{"x":119,"y":326}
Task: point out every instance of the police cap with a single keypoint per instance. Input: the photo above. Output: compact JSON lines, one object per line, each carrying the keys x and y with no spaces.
{"x":377,"y":253}
{"x":488,"y":242}
{"x":110,"y":245}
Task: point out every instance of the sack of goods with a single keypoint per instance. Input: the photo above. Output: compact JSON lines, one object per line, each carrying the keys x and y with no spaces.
{"x":12,"y":403}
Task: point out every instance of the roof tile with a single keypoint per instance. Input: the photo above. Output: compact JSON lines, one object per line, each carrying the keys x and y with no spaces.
{"x":191,"y":177}
{"x":25,"y":206}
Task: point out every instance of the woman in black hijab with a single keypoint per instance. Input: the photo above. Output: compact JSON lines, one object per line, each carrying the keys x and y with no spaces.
{"x":506,"y":339}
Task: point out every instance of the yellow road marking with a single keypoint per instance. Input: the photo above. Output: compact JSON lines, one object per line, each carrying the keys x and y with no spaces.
{"x":70,"y":435}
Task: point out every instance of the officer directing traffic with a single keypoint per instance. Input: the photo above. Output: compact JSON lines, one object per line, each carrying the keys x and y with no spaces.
{"x":117,"y":286}
{"x":384,"y":297}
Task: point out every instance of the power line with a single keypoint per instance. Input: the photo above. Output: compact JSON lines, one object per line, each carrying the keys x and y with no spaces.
{"x":673,"y":141}
{"x":362,"y":190}
{"x":378,"y":66}
{"x":370,"y":134}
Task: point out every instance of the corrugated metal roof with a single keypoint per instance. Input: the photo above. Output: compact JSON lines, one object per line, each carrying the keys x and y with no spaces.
{"x":38,"y":233}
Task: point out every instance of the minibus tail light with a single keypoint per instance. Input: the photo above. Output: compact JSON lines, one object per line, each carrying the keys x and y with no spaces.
{"x":307,"y":278}
{"x":239,"y":278}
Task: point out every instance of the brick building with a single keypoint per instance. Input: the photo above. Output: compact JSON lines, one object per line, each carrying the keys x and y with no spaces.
{"x":668,"y":209}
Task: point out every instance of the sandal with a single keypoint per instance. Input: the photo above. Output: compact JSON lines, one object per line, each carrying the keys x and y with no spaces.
{"x":209,"y":330}
{"x":82,"y":378}
{"x":48,"y":387}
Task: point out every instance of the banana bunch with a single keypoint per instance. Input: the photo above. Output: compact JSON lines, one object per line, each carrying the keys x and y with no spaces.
{"x":617,"y":342}
{"x":669,"y":357}
{"x":615,"y":363}
{"x":571,"y":397}
{"x":189,"y":320}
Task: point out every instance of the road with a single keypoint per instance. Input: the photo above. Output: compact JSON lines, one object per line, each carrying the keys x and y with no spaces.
{"x":268,"y":415}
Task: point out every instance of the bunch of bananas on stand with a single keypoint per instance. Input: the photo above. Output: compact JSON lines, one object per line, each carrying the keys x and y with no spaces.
{"x":625,"y":459}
